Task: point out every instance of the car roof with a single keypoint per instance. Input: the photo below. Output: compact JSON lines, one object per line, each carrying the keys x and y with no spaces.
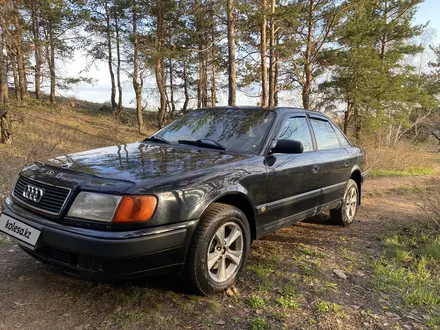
{"x":278,"y":110}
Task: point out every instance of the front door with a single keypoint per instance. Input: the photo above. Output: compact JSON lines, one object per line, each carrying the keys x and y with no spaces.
{"x":292,"y":188}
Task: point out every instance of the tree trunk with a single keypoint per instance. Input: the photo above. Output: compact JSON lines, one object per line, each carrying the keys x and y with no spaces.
{"x":185,"y":87}
{"x":136,"y":84}
{"x":232,"y":70}
{"x":384,"y":38}
{"x":15,"y":76}
{"x":358,"y":124}
{"x":159,"y":68}
{"x":263,"y":55}
{"x":3,"y":70}
{"x":52,"y":65}
{"x":204,"y":81}
{"x":347,"y":117}
{"x":118,"y":67}
{"x":5,"y":128}
{"x":172,"y":104}
{"x":272,"y":55}
{"x":19,"y":51}
{"x":213,"y":84}
{"x":110,"y":56}
{"x":275,"y":79}
{"x":37,"y":48}
{"x":307,"y":85}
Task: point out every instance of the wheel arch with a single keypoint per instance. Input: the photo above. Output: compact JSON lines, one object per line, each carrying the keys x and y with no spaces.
{"x":243,"y":203}
{"x":357,"y":177}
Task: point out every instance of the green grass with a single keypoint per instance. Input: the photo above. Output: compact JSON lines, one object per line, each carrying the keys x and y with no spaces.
{"x":410,"y":171}
{"x":256,"y":302}
{"x":259,"y":323}
{"x":409,"y":270}
{"x":323,"y":306}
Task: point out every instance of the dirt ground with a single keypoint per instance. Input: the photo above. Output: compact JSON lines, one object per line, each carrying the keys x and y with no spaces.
{"x":288,"y":282}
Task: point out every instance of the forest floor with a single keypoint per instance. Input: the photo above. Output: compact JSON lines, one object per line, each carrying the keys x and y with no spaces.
{"x":289,"y":280}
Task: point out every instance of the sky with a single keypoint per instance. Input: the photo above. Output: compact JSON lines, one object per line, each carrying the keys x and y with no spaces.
{"x":99,"y":91}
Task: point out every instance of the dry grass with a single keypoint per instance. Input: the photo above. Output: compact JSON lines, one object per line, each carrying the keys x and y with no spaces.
{"x":404,"y":159}
{"x":41,"y":131}
{"x":430,"y":203}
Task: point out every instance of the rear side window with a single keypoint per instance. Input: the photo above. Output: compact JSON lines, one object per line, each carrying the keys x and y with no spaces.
{"x":325,"y":135}
{"x":344,"y":142}
{"x":297,"y":129}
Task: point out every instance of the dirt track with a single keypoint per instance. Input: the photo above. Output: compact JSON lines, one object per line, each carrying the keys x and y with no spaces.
{"x":300,"y":258}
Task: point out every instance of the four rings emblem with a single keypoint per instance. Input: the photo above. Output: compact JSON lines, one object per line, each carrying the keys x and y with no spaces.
{"x":33,"y":193}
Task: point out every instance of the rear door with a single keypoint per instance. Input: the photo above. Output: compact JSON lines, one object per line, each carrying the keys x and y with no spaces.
{"x":334,"y":161}
{"x":292,"y":187}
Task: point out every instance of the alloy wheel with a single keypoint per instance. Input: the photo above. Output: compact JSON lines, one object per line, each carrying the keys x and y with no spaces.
{"x":351,"y":200}
{"x":225,"y":252}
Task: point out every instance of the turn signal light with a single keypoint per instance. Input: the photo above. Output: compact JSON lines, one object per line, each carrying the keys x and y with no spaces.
{"x":135,"y":209}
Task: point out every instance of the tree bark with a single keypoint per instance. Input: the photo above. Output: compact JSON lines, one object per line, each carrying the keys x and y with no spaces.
{"x":275,"y":78}
{"x":13,"y":63}
{"x":136,"y":84}
{"x":172,"y":104}
{"x":272,"y":55}
{"x":3,"y":69}
{"x":110,"y":55}
{"x":213,"y":84}
{"x":19,"y":52}
{"x":118,"y":67}
{"x":52,"y":64}
{"x":5,"y":128}
{"x":232,"y":65}
{"x":307,"y":85}
{"x":37,"y":48}
{"x":384,"y":38}
{"x":185,"y":87}
{"x":204,"y":81}
{"x":263,"y":55}
{"x":347,"y":117}
{"x":159,"y":67}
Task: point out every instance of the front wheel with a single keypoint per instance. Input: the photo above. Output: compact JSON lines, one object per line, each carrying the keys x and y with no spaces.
{"x":345,"y":214}
{"x":218,"y":250}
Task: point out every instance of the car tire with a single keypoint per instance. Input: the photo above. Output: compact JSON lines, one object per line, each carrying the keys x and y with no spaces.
{"x":212,"y":266}
{"x":346,"y":213}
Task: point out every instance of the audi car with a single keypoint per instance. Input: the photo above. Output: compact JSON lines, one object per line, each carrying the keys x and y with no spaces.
{"x":189,"y":200}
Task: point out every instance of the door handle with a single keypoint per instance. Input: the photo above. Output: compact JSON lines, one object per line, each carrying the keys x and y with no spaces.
{"x":346,"y":163}
{"x":315,"y":168}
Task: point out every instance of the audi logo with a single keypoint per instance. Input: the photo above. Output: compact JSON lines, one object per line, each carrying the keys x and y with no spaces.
{"x":33,"y":193}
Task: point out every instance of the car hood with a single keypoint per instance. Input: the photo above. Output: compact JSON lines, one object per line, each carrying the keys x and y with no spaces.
{"x":142,"y":161}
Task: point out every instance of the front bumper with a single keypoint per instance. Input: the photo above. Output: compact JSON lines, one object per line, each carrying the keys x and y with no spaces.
{"x":107,"y":254}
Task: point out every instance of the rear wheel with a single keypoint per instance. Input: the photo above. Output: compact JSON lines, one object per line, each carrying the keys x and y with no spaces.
{"x":345,"y":214}
{"x":218,"y":250}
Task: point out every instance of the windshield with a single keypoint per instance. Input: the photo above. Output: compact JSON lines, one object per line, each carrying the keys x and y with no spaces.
{"x":239,"y":130}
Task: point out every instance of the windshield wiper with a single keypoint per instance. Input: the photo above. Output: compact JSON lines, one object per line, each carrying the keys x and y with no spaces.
{"x":157,"y":139}
{"x":207,"y":143}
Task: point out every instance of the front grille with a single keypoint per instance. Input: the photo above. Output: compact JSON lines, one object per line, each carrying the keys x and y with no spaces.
{"x":53,"y":199}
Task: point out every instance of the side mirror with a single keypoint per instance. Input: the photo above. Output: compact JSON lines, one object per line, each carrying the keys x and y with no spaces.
{"x":288,"y":147}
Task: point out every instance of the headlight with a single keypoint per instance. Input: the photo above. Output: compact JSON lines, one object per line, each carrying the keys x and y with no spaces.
{"x":110,"y":208}
{"x":93,"y":206}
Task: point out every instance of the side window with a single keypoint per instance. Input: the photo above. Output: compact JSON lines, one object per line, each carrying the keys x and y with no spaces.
{"x":342,"y":138}
{"x":296,"y":128}
{"x":325,"y":135}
